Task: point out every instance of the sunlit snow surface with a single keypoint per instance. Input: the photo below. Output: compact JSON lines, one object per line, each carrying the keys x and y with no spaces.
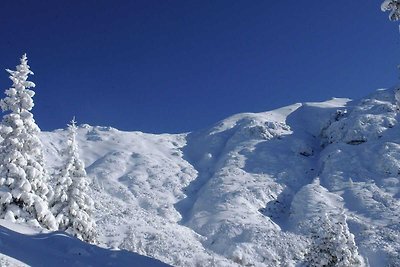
{"x":22,"y":246}
{"x":236,"y":193}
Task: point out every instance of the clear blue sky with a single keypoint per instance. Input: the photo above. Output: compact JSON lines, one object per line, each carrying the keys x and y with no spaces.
{"x":176,"y":66}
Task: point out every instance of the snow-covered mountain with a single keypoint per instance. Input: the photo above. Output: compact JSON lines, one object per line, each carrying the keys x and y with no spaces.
{"x":256,"y":189}
{"x":22,"y":246}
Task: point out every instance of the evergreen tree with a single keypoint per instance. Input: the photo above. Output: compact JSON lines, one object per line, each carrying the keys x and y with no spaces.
{"x":23,"y":189}
{"x":332,"y":244}
{"x":73,"y":205}
{"x":393,"y":6}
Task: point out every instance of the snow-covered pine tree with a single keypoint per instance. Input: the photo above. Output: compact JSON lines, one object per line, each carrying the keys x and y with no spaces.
{"x":332,"y":244}
{"x":394,"y":7}
{"x":397,"y":97}
{"x":73,"y":205}
{"x":23,"y":179}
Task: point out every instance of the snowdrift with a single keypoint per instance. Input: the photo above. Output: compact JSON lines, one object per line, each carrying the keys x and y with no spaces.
{"x":22,"y":247}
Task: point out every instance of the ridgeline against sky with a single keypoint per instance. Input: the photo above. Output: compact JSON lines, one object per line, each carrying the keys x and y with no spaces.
{"x":174,"y":66}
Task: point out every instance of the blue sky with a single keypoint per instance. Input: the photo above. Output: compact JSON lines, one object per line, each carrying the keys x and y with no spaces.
{"x":176,"y":66}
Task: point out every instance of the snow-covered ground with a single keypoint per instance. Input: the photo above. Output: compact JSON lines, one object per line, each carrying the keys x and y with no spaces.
{"x":23,"y":246}
{"x":250,"y":189}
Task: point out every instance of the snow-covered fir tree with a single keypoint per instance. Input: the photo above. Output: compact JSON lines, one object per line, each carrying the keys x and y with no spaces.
{"x":73,"y":205}
{"x":393,"y":6}
{"x":23,"y":179}
{"x":397,"y":97}
{"x":332,"y":244}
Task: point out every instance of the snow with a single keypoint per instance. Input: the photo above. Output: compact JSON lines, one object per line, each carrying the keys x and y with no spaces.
{"x":254,"y":189}
{"x":21,"y":246}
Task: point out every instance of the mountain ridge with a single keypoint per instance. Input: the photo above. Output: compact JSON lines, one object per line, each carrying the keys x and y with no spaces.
{"x":241,"y":191}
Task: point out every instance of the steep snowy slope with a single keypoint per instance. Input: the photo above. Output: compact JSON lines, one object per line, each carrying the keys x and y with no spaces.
{"x":253,"y":189}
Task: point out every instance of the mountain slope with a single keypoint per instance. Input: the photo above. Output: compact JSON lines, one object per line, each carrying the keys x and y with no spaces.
{"x":242,"y":191}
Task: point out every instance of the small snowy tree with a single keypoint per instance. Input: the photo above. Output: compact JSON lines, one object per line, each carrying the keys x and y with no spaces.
{"x":23,"y":189}
{"x":73,"y":206}
{"x":393,"y":6}
{"x":397,"y":97}
{"x":332,"y":244}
